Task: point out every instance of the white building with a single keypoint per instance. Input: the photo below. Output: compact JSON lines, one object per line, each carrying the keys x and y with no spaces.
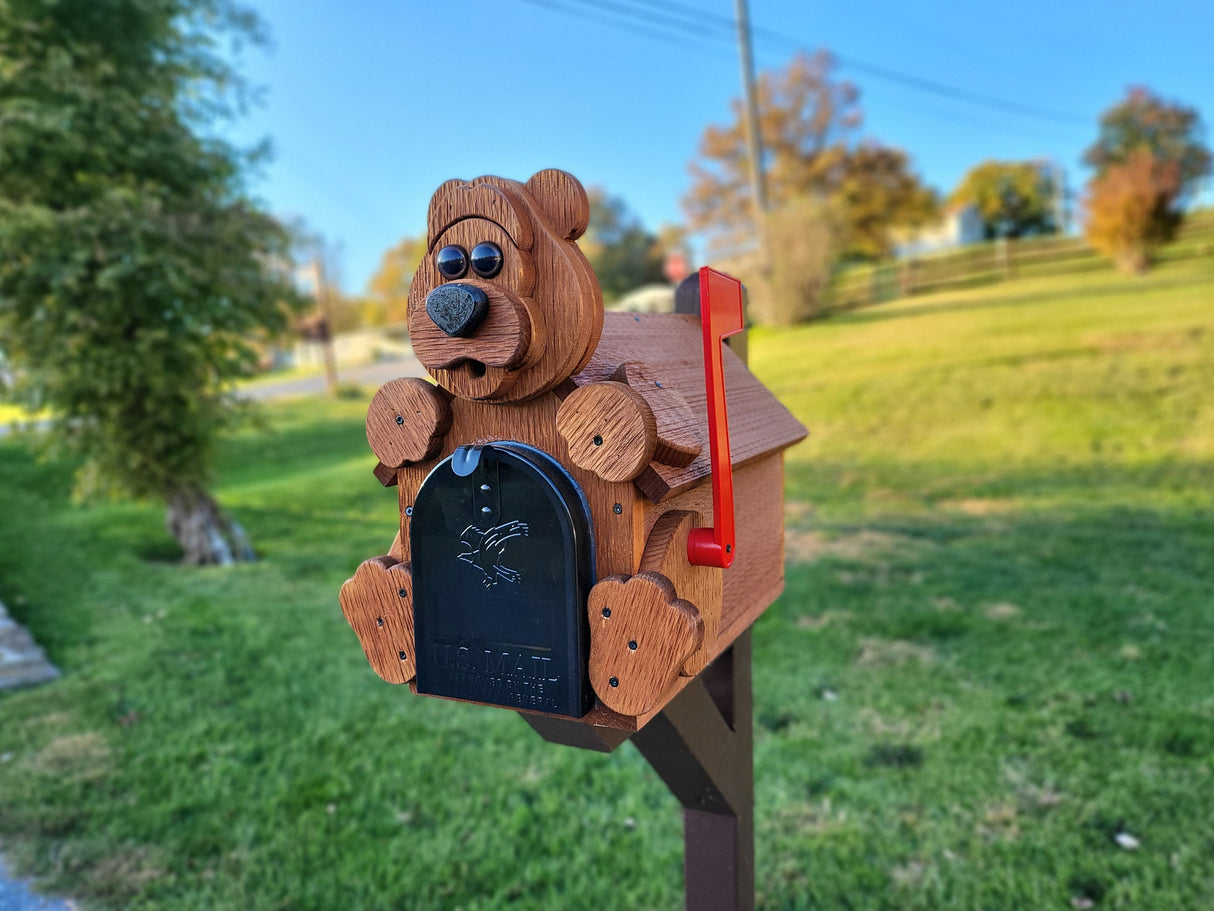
{"x":960,"y":226}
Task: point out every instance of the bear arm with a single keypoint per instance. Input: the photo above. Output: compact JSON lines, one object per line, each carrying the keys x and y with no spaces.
{"x":377,"y":602}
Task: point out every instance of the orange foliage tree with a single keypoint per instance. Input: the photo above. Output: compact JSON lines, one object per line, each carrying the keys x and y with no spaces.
{"x":388,"y":291}
{"x":1148,"y":157}
{"x":809,"y":121}
{"x":1130,"y":209}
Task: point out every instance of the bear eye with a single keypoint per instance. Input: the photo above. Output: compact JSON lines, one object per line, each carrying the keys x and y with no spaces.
{"x":486,"y":259}
{"x":452,"y":261}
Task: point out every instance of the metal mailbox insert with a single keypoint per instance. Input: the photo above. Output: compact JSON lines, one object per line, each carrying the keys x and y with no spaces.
{"x":502,"y":560}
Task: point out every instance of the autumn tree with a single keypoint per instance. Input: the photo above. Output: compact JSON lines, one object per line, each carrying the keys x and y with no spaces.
{"x":623,"y":254}
{"x":387,"y":296}
{"x":1170,"y":131}
{"x":809,"y":122}
{"x":1130,"y":209}
{"x":1013,"y":198}
{"x":877,"y":193}
{"x":135,"y":273}
{"x":1149,"y":156}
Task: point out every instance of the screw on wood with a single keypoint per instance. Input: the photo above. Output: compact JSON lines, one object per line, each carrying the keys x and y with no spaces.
{"x":598,"y":440}
{"x":614,"y":681}
{"x":617,"y":509}
{"x":400,"y":420}
{"x":606,"y":611}
{"x":402,"y":593}
{"x":632,"y":644}
{"x":379,"y":621}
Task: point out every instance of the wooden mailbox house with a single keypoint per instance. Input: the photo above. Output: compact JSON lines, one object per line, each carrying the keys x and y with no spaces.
{"x":550,"y":482}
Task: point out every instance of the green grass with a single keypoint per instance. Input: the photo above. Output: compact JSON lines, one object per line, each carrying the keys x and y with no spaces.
{"x":994,"y":653}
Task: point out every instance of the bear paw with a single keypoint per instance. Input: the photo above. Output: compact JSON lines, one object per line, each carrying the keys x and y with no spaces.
{"x":378,"y":604}
{"x":641,"y":634}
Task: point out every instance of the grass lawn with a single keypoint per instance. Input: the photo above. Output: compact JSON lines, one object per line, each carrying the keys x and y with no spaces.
{"x":995,"y":655}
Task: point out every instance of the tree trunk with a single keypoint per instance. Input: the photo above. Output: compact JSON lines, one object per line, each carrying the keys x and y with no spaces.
{"x":206,"y":536}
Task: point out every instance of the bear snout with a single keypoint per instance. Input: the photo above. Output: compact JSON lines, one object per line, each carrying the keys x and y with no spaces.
{"x":457,"y":309}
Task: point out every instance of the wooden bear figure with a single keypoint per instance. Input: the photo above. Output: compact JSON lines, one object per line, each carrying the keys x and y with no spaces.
{"x":549,"y":481}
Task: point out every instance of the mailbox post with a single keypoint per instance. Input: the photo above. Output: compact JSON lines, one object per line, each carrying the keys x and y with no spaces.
{"x":568,"y":545}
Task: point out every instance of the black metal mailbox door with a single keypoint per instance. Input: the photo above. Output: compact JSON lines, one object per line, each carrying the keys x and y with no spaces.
{"x":502,"y":563}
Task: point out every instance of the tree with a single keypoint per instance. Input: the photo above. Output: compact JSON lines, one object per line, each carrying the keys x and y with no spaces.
{"x":1149,"y":158}
{"x":809,"y":123}
{"x":1014,"y":198}
{"x":135,"y":274}
{"x":388,"y":289}
{"x":878,"y":193}
{"x":808,"y":235}
{"x":1171,"y":132}
{"x":1130,"y":209}
{"x":623,"y":254}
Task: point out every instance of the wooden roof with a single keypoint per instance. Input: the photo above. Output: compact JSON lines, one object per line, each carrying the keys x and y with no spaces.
{"x":671,"y":347}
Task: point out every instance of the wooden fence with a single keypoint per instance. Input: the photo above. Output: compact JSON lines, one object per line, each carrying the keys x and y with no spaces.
{"x":995,"y":261}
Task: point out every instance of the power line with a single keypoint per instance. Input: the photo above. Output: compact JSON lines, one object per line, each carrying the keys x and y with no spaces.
{"x":881,"y":72}
{"x":681,"y":20}
{"x":664,"y":37}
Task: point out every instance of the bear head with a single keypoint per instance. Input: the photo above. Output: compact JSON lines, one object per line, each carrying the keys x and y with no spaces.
{"x":504,"y":306}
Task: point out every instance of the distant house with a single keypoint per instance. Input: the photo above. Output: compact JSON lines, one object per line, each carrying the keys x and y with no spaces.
{"x":960,"y":226}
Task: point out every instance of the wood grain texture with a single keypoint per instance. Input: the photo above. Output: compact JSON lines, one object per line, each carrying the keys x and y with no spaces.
{"x":757,"y":575}
{"x":456,"y":200}
{"x":618,"y":540}
{"x":641,"y":633}
{"x":563,"y":200}
{"x":406,"y":421}
{"x":385,"y":474}
{"x":670,"y":344}
{"x":666,"y":554}
{"x":679,"y":440}
{"x":503,"y":340}
{"x":609,"y":429}
{"x":561,"y":296}
{"x":378,"y":604}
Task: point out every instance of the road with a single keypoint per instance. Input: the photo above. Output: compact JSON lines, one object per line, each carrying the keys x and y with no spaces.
{"x":372,"y":375}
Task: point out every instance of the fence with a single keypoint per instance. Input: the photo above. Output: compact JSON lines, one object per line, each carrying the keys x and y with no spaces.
{"x":995,"y":261}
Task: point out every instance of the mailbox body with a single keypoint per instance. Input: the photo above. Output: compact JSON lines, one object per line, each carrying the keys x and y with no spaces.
{"x":622,"y":514}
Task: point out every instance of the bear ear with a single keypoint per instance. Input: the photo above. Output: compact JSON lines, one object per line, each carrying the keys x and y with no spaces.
{"x":563,"y":199}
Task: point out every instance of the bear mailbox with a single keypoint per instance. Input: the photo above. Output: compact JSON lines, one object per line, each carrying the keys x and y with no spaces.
{"x":568,"y":545}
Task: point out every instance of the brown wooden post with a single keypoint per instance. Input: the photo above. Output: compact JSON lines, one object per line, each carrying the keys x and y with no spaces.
{"x":701,"y":745}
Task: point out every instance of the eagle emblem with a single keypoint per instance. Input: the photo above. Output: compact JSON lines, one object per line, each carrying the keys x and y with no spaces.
{"x":485,"y":550}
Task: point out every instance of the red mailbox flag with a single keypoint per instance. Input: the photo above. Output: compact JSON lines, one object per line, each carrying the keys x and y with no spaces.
{"x":721,"y":315}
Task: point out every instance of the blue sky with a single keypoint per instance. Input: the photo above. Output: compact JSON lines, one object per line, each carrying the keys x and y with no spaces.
{"x":370,"y":104}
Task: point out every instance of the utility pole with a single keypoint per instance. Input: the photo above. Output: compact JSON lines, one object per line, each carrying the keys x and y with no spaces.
{"x":324,"y":306}
{"x":754,"y":139}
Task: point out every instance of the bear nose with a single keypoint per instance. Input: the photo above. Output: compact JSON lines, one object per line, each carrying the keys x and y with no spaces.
{"x":457,"y":309}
